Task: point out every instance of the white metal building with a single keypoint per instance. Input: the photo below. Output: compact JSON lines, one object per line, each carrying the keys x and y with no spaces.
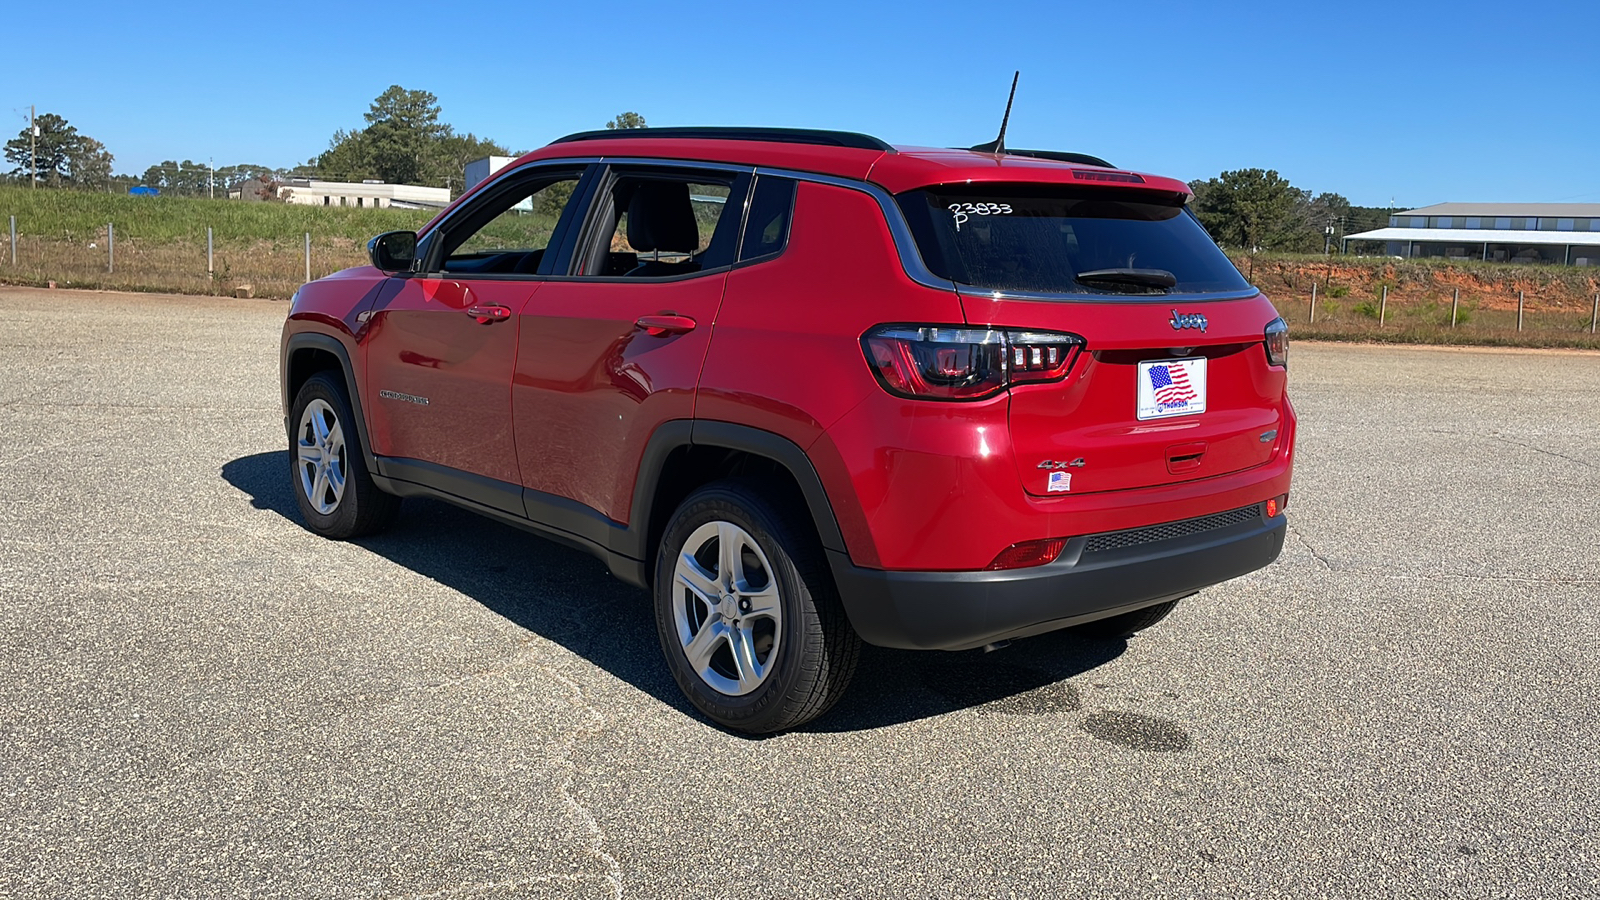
{"x":1559,"y":233}
{"x":373,"y":194}
{"x":479,"y":169}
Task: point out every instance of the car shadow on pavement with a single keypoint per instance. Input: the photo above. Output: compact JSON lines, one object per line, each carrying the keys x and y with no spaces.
{"x":566,"y":596}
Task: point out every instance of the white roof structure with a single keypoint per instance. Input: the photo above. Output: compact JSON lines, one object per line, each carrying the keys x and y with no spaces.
{"x":1511,"y":210}
{"x":1480,"y":236}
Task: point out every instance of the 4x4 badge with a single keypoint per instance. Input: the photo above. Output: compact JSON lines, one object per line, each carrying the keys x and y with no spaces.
{"x":1063,"y":464}
{"x":1181,"y":321}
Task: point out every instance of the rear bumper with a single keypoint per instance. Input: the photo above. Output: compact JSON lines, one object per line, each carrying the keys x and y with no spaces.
{"x":961,"y":610}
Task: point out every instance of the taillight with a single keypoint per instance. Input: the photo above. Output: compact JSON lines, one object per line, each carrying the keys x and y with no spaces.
{"x":933,"y":362}
{"x":1278,"y":343}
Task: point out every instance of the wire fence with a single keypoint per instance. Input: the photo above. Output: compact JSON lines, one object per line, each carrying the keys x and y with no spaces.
{"x":1342,"y":303}
{"x":1525,"y":312}
{"x":112,"y":258}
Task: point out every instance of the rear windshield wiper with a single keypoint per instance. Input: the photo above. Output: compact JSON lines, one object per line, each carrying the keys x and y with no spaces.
{"x":1144,"y":278}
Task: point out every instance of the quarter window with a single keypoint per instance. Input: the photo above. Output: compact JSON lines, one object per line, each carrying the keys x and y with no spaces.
{"x":766,"y":229}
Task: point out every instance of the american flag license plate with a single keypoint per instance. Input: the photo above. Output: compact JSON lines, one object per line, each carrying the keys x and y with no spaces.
{"x":1172,"y":387}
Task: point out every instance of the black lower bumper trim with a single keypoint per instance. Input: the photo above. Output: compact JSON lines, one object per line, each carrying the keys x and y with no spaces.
{"x":961,"y":610}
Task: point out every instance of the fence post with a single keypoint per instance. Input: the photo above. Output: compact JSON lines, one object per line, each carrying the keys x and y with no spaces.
{"x":111,"y":247}
{"x":1455,"y":304}
{"x":13,"y":240}
{"x":210,"y":272}
{"x":308,"y":256}
{"x":1383,"y":306}
{"x":1594,"y":317}
{"x":1519,"y":310}
{"x":1313,"y":303}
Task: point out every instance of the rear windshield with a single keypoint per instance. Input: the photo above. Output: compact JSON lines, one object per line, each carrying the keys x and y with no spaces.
{"x":1036,"y":237}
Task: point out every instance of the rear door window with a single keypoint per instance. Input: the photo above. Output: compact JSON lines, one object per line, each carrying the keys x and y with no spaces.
{"x":1066,"y":240}
{"x":652,"y":224}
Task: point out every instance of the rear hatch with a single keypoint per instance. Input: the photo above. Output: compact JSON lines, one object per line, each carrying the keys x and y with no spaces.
{"x":1173,"y":383}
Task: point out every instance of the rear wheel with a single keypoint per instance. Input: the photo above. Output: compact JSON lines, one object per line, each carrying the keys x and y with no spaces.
{"x":1127,"y":624}
{"x":332,"y":487}
{"x":749,"y":620}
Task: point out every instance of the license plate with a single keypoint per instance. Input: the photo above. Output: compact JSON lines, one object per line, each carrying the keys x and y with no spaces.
{"x":1172,"y":387}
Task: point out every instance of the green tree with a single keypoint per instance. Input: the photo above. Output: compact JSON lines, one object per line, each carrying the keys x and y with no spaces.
{"x":187,"y":178}
{"x":89,"y":163}
{"x":347,"y":158}
{"x":403,"y":131}
{"x":404,"y":142}
{"x":626,"y":120}
{"x":1251,"y":209}
{"x":63,"y":156}
{"x":452,"y":152}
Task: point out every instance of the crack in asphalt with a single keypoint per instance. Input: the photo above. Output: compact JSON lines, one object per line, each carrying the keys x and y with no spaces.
{"x":1507,"y":440}
{"x":482,"y":887}
{"x":1518,"y":579}
{"x":594,"y":846}
{"x":1496,"y":436}
{"x":597,"y":838}
{"x":1310,"y":549}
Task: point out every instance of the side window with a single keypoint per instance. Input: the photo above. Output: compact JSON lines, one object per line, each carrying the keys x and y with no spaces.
{"x":509,"y":234}
{"x":659,"y":225}
{"x":766,"y":231}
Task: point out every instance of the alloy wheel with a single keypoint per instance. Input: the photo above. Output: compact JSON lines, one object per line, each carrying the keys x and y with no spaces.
{"x":727,"y":609}
{"x":320,"y":456}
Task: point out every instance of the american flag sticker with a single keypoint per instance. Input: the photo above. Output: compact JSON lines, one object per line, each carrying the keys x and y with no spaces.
{"x":1060,"y":482}
{"x":1172,"y":388}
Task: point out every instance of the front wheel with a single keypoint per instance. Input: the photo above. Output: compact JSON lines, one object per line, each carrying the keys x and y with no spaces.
{"x":336,"y":495}
{"x":749,"y":619}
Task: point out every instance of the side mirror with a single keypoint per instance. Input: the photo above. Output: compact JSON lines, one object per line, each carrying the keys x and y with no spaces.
{"x":393,"y":251}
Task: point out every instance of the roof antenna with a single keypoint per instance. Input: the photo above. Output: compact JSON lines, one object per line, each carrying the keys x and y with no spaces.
{"x":998,"y":145}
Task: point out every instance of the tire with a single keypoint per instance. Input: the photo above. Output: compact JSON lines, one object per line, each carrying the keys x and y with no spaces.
{"x":757,"y":641}
{"x":327,"y":469}
{"x":1127,"y":624}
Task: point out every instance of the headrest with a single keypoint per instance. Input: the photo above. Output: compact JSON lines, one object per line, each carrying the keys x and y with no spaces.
{"x":661,"y":218}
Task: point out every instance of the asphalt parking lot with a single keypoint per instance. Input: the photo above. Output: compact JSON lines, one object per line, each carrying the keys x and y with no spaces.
{"x":200,"y":698}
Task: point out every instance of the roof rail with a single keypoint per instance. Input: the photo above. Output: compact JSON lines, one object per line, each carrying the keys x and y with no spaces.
{"x":1082,"y":159}
{"x":815,"y":136}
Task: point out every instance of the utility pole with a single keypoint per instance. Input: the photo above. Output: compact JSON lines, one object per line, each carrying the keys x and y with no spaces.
{"x":33,"y":149}
{"x":211,"y":186}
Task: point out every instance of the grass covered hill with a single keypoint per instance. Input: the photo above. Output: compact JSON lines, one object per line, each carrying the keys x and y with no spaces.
{"x":80,"y":215}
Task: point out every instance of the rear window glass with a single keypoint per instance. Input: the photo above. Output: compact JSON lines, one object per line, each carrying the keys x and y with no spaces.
{"x":1042,"y":238}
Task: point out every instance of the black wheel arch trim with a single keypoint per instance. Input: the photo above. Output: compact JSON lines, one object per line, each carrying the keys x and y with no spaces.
{"x":787,"y":454}
{"x":312,"y":340}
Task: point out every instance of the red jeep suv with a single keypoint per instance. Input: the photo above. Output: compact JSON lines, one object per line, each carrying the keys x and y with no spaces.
{"x":810,"y":389}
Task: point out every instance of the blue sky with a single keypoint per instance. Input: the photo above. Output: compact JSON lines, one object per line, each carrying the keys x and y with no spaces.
{"x":1414,"y":100}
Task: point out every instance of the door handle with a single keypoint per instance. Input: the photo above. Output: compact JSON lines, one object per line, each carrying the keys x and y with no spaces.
{"x":488,"y":313}
{"x":661,"y":326}
{"x":1185,"y":457}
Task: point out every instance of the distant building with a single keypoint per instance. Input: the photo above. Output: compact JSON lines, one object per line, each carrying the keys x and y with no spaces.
{"x":1559,"y":233}
{"x":480,"y":169}
{"x":374,"y":194}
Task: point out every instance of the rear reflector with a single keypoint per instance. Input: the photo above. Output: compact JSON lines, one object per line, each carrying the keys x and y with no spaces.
{"x":1090,"y":175}
{"x":1029,"y":553}
{"x":1277,"y":505}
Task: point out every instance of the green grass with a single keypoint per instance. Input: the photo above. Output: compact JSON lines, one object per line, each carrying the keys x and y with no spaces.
{"x":80,"y":215}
